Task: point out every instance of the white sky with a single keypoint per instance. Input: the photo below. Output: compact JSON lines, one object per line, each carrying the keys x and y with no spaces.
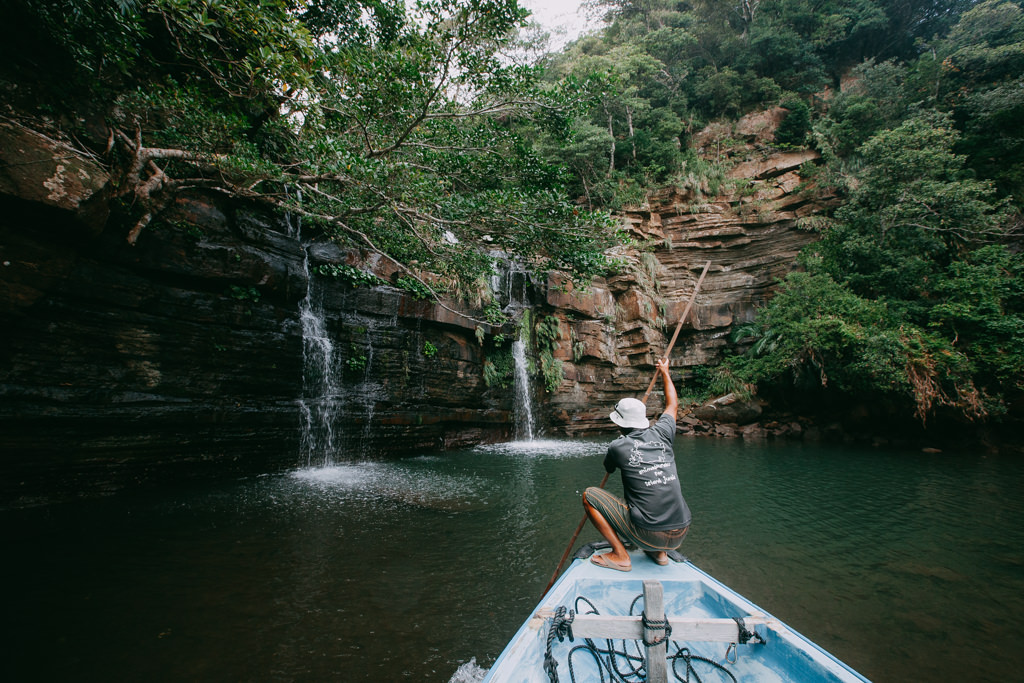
{"x":562,"y":18}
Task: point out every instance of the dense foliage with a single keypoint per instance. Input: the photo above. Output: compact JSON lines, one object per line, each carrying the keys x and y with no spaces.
{"x":912,"y":292}
{"x":912,"y":298}
{"x":416,"y":132}
{"x":673,"y":67}
{"x":392,"y":128}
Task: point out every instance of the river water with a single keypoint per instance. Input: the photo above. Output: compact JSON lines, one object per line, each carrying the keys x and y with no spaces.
{"x":908,"y":566}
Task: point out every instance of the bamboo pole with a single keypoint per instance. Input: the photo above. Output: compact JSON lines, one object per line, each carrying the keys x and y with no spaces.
{"x":675,"y":335}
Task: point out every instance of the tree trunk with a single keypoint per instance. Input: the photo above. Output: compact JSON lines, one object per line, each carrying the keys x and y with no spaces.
{"x":632,"y":138}
{"x":611,"y":135}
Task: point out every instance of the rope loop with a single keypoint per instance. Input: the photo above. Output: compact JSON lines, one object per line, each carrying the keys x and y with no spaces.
{"x":746,"y":636}
{"x":564,"y":626}
{"x":655,"y":625}
{"x":688,"y":658}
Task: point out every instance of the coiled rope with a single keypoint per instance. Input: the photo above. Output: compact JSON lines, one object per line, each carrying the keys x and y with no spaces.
{"x":610,"y":658}
{"x":561,"y":626}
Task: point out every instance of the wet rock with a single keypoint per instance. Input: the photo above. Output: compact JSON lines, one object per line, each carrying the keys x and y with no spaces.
{"x":726,"y":431}
{"x":754,"y":432}
{"x":593,"y":341}
{"x":730,"y":409}
{"x":37,"y":169}
{"x":122,"y":365}
{"x":595,"y":302}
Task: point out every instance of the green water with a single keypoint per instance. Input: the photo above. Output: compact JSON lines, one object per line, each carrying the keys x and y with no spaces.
{"x":908,"y":566}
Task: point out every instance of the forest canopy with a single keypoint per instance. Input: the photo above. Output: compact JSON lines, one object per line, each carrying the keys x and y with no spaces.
{"x":391,"y":127}
{"x":912,"y":298}
{"x":861,"y":65}
{"x":421,"y":132}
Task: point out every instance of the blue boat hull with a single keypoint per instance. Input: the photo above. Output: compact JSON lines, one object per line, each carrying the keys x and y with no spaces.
{"x":690,"y":594}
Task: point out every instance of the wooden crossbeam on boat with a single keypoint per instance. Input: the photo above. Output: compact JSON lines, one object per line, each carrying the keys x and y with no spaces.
{"x":706,"y":630}
{"x":683,"y":630}
{"x":650,"y":628}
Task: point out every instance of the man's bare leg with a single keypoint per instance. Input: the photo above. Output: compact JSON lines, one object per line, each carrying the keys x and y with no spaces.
{"x":618,"y":555}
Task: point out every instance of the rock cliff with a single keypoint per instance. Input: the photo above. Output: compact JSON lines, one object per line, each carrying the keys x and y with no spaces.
{"x":611,"y":334}
{"x":121,"y":364}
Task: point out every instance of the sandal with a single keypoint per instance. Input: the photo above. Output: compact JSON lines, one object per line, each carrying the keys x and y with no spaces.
{"x":603,"y":561}
{"x":654,"y":556}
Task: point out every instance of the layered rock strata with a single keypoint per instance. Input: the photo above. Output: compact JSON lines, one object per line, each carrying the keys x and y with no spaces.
{"x":612,"y":333}
{"x":124,"y":364}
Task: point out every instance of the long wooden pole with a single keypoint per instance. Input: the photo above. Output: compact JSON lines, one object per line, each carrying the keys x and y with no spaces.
{"x":668,"y":350}
{"x":675,"y":335}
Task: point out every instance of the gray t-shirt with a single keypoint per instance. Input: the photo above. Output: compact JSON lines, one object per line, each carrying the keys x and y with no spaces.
{"x":649,"y":478}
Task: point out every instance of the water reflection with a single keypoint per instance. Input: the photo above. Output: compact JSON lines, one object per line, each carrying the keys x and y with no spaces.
{"x":909,"y":567}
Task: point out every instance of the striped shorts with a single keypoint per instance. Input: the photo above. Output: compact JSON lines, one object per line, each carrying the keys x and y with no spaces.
{"x":615,"y":510}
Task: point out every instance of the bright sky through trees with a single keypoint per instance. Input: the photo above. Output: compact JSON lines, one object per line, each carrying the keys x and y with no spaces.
{"x":564,"y":19}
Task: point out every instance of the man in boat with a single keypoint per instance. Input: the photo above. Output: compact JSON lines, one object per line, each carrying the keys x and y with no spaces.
{"x":654,"y":516}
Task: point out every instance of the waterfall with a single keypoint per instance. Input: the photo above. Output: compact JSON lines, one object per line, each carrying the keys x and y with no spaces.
{"x":321,"y":383}
{"x":364,"y":394}
{"x":510,"y":283}
{"x":511,"y":287}
{"x":523,"y":412}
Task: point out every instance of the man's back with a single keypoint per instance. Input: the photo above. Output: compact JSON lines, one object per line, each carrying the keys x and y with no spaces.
{"x":649,"y":478}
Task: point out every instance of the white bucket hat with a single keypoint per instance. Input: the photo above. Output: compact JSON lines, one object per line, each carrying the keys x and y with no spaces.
{"x":631,"y":414}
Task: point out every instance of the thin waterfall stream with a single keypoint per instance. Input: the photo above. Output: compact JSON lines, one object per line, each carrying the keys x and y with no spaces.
{"x":321,"y":405}
{"x":511,"y":286}
{"x":321,"y":383}
{"x":523,"y":412}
